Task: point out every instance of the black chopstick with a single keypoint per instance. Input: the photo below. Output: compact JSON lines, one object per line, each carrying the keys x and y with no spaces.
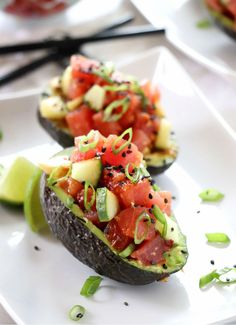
{"x":73,"y":42}
{"x":23,"y":70}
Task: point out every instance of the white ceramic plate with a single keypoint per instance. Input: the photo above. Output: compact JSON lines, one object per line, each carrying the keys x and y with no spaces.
{"x":210,"y":47}
{"x":39,"y":287}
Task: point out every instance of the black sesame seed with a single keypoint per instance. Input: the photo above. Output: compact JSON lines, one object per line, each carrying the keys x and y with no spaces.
{"x":198,"y":211}
{"x":150,"y":210}
{"x":183,"y":252}
{"x":227,"y":279}
{"x":164,"y":266}
{"x":120,"y":166}
{"x":129,"y":151}
{"x":152,"y":206}
{"x":104,"y":149}
{"x":110,"y":174}
{"x":79,"y":315}
{"x":212,"y":262}
{"x":152,"y":182}
{"x":165,"y":200}
{"x":234,"y":266}
{"x":123,"y":154}
{"x":150,"y":196}
{"x":172,"y":229}
{"x":173,"y":197}
{"x":36,"y":248}
{"x":126,"y":303}
{"x":129,"y":146}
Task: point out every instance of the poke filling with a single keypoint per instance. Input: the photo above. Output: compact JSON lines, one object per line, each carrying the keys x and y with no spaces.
{"x":93,"y":95}
{"x":104,"y":181}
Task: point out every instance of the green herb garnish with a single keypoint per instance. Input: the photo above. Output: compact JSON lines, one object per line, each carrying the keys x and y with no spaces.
{"x":134,"y":178}
{"x":203,"y":24}
{"x":108,"y":112}
{"x":144,"y":216}
{"x":76,"y":312}
{"x":217,"y":238}
{"x":226,"y":276}
{"x":211,"y":195}
{"x":90,"y":286}
{"x":117,"y":150}
{"x":128,"y":250}
{"x":85,"y":144}
{"x":159,"y":215}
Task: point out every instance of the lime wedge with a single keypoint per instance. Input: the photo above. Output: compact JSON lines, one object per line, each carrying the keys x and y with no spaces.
{"x":32,"y":207}
{"x":13,"y":180}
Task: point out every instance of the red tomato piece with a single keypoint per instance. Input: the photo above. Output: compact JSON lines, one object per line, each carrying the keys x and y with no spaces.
{"x":167,"y":198}
{"x":140,"y":139}
{"x":93,"y":217}
{"x":80,"y":121}
{"x":141,"y":194}
{"x":129,"y":154}
{"x":127,"y":219}
{"x":82,"y":68}
{"x":127,"y":120}
{"x":77,"y":89}
{"x":106,"y":128}
{"x":115,"y":236}
{"x":151,"y":252}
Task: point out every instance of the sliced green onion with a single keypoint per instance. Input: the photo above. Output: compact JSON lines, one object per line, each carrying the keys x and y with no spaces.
{"x":69,"y":202}
{"x":90,"y":286}
{"x":226,"y":276}
{"x":115,"y":88}
{"x":206,"y":279}
{"x":156,"y":188}
{"x":109,"y":117}
{"x":105,"y":71}
{"x":53,"y":178}
{"x":127,"y":251}
{"x":120,"y":148}
{"x":85,"y":145}
{"x":144,"y":172}
{"x":88,"y":204}
{"x":159,"y":215}
{"x":211,"y":195}
{"x":1,"y":135}
{"x":203,"y":24}
{"x":136,"y":176}
{"x":217,"y":237}
{"x":76,"y":312}
{"x":143,"y":216}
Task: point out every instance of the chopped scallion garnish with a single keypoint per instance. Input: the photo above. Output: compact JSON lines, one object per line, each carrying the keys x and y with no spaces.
{"x":217,"y":237}
{"x":115,"y":88}
{"x":156,"y":188}
{"x":128,"y":250}
{"x":226,"y":276}
{"x":118,"y":149}
{"x":76,"y":312}
{"x":211,"y":195}
{"x":85,"y":144}
{"x":89,"y":204}
{"x":134,"y":178}
{"x":123,"y":104}
{"x":144,"y":216}
{"x":159,"y":215}
{"x":90,"y":286}
{"x":56,"y":177}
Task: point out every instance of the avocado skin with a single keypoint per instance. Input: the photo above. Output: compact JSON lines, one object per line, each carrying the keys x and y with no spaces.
{"x":87,"y":247}
{"x":58,"y":134}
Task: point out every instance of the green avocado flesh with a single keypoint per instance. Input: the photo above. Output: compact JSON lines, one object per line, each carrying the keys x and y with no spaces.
{"x":89,"y":244}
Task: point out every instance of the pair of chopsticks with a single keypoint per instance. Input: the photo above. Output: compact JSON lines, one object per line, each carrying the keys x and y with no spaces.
{"x":63,"y":48}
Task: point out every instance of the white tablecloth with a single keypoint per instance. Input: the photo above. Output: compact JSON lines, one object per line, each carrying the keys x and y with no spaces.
{"x":220,"y":93}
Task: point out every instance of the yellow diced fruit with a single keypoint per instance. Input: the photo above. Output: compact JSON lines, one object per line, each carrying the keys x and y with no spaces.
{"x":52,"y":108}
{"x":163,"y":140}
{"x":66,"y":80}
{"x":75,"y":103}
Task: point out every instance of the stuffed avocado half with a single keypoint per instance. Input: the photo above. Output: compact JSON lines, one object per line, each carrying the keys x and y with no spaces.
{"x":101,"y":202}
{"x":93,"y":95}
{"x":224,"y":14}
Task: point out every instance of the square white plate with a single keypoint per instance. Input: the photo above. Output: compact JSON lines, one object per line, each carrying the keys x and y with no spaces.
{"x":39,"y":287}
{"x":210,"y":46}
